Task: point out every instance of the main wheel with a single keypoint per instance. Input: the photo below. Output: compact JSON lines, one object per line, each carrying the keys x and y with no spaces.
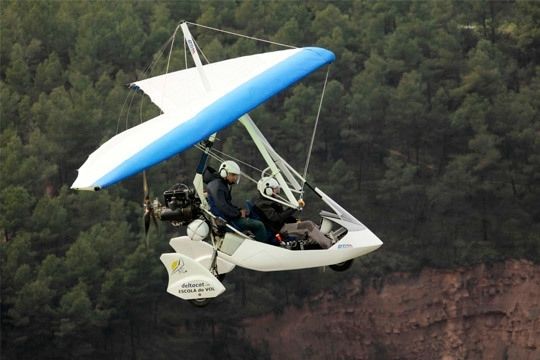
{"x":205,"y":301}
{"x":342,"y":266}
{"x":200,"y":302}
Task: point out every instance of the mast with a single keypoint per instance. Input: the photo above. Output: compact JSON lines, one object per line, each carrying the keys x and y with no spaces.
{"x":198,"y":179}
{"x":195,"y":55}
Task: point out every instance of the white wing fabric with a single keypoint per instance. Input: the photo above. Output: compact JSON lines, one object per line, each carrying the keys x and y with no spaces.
{"x":192,"y":113}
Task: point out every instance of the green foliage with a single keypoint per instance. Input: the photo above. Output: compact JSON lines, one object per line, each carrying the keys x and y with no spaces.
{"x":16,"y":208}
{"x":49,"y":74}
{"x":429,"y":132}
{"x":18,"y":74}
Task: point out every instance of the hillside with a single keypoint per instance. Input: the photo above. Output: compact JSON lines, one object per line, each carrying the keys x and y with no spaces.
{"x":481,"y":312}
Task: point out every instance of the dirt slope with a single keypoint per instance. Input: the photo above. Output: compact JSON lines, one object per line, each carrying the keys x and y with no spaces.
{"x":482,"y":312}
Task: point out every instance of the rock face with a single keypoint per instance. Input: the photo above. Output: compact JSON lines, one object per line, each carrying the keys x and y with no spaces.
{"x":482,"y":312}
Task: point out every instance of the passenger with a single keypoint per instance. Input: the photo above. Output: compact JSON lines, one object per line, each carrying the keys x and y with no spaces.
{"x":280,"y":219}
{"x":220,"y":200}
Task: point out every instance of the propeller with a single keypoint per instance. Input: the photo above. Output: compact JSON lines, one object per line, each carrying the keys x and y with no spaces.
{"x":149,"y":213}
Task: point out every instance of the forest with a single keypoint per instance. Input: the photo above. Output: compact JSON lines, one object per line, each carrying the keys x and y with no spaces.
{"x":429,"y":133}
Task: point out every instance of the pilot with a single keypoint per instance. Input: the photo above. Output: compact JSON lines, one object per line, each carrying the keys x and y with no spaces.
{"x":280,"y":219}
{"x":220,"y":200}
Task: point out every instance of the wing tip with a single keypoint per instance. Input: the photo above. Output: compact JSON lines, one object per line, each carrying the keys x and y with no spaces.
{"x":326,"y":54}
{"x":79,"y":187}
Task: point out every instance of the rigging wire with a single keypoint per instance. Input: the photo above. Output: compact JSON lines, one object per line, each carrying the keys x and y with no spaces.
{"x":315,"y":130}
{"x":121,"y":112}
{"x":171,"y":49}
{"x":238,"y":160}
{"x":141,"y":110}
{"x":171,"y":40}
{"x":211,"y":153}
{"x":160,"y":53}
{"x":214,"y":156}
{"x":185,"y":53}
{"x":242,"y":35}
{"x":200,"y":50}
{"x":146,"y":71}
{"x":129,"y":108}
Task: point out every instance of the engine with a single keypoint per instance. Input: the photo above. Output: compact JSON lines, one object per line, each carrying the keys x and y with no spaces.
{"x":182,"y":205}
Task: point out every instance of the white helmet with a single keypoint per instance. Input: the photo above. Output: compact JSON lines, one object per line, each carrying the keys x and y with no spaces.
{"x":228,"y":167}
{"x":267,"y":185}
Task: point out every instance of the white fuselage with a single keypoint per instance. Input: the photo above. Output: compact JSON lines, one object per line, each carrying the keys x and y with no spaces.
{"x":254,"y":255}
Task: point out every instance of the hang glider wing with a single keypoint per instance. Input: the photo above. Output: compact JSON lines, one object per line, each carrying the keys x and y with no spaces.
{"x":192,"y":113}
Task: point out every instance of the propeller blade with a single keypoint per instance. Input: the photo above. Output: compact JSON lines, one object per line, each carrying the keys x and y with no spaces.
{"x":149,"y":213}
{"x":146,"y":218}
{"x":145,"y":186}
{"x":148,"y":208}
{"x":154,"y":218}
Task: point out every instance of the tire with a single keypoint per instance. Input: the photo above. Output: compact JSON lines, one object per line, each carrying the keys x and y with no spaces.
{"x":200,"y":302}
{"x":343,"y":266}
{"x":205,"y":301}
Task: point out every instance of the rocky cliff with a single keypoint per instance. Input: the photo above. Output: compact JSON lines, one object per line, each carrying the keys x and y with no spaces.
{"x":482,"y":312}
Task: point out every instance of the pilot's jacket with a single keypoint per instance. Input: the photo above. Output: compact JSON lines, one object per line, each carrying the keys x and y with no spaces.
{"x":219,"y":197}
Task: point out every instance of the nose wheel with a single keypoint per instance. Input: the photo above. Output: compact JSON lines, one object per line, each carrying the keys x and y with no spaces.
{"x":343,"y":266}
